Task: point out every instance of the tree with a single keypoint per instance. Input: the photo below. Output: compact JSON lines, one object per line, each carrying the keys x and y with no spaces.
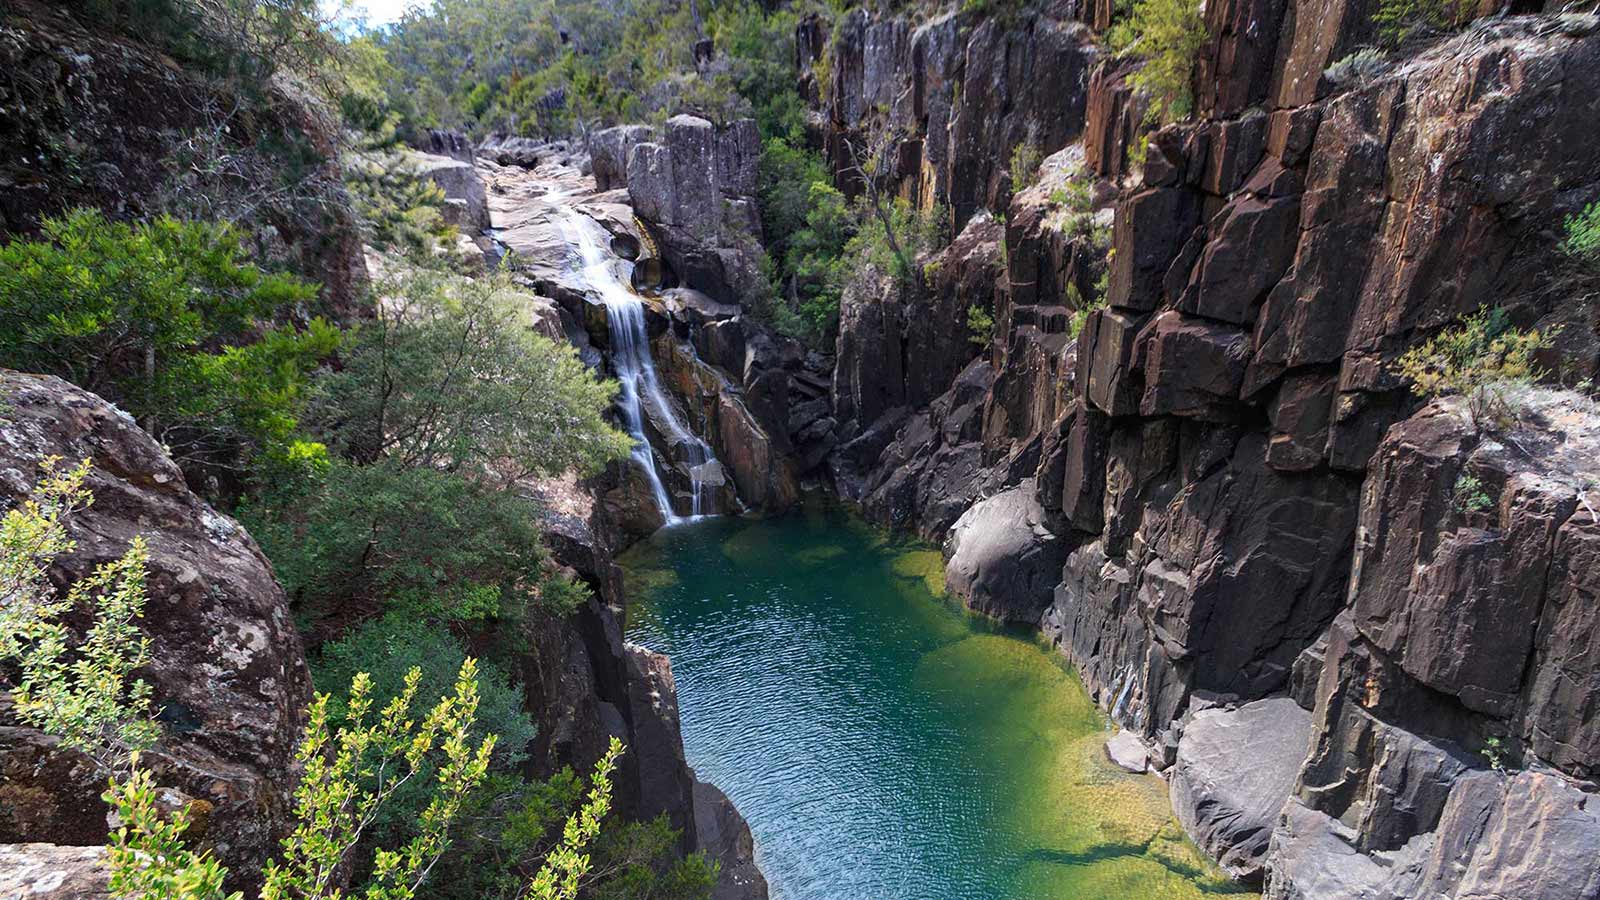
{"x":349,"y":772}
{"x":1167,"y":35}
{"x":168,"y":319}
{"x":452,"y":377}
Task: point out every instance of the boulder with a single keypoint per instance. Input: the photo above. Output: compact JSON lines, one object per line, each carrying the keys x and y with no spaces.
{"x":462,"y":187}
{"x":1235,"y":769}
{"x":1002,"y":560}
{"x":227,"y":670}
{"x":608,"y":153}
{"x":725,"y":836}
{"x":1126,"y":751}
{"x":52,"y":872}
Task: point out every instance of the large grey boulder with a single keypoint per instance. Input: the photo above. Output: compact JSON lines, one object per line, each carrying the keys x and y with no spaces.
{"x":468,"y":205}
{"x":1235,"y":769}
{"x":696,"y":189}
{"x":1002,"y":559}
{"x":608,"y":153}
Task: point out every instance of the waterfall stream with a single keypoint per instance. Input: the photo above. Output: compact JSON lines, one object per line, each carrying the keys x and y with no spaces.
{"x":601,"y":272}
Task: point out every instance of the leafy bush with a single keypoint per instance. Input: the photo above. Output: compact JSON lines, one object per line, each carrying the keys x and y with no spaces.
{"x":1167,"y":35}
{"x":1481,"y":360}
{"x":1468,"y":495}
{"x":1581,"y":241}
{"x":450,"y":376}
{"x":1357,"y":68}
{"x":433,"y":545}
{"x":980,"y":324}
{"x":91,"y":702}
{"x":1024,"y":168}
{"x":168,"y":319}
{"x":1399,"y":20}
{"x":399,"y":209}
{"x":352,"y":772}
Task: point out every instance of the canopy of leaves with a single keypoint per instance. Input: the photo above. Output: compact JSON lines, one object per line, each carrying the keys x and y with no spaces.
{"x":168,"y":319}
{"x":451,"y":376}
{"x":1167,"y":35}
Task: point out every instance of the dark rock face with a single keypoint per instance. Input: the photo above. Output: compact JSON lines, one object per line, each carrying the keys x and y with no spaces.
{"x":462,"y":186}
{"x":725,"y":837}
{"x":1242,"y":505}
{"x":227,"y":670}
{"x":96,"y":121}
{"x":967,"y":91}
{"x":608,"y":153}
{"x":696,"y":190}
{"x":1230,"y":809}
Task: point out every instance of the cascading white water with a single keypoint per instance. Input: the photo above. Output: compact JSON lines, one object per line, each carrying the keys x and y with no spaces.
{"x":600,"y":271}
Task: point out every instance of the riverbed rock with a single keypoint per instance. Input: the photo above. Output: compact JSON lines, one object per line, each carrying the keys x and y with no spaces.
{"x":1128,"y":752}
{"x":1002,"y":559}
{"x":1235,"y":769}
{"x":725,"y":836}
{"x":695,"y":188}
{"x":460,"y":181}
{"x":227,"y":670}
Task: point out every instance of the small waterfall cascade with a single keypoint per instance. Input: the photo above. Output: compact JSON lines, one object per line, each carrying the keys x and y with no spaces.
{"x":636,"y":371}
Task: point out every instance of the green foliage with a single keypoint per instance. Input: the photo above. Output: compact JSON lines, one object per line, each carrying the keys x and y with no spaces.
{"x":1581,"y":237}
{"x":980,"y":324}
{"x":1481,"y":360}
{"x":399,"y":209}
{"x":1400,"y":20}
{"x":431,"y":544}
{"x":1494,"y":752}
{"x":388,"y":649}
{"x":168,"y":319}
{"x":565,"y":866}
{"x":349,"y":774}
{"x":1468,"y":495}
{"x":146,"y":853}
{"x":1024,"y":169}
{"x":451,"y":377}
{"x":916,"y":231}
{"x":807,"y":223}
{"x":1168,"y":36}
{"x":86,"y":695}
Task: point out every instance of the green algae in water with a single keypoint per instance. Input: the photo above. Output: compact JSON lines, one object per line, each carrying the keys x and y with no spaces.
{"x":883,"y":741}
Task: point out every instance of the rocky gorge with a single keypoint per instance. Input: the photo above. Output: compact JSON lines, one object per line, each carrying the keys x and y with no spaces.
{"x":1209,"y":492}
{"x":1215,"y":498}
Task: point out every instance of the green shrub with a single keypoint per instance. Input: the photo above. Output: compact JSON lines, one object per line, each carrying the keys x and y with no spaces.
{"x":167,"y":319}
{"x":980,"y":325}
{"x":433,"y":545}
{"x":1359,"y":67}
{"x":1581,"y":237}
{"x":1400,"y":20}
{"x":1024,"y":168}
{"x":1168,"y":36}
{"x":451,"y":376}
{"x":398,"y":208}
{"x":1468,"y":495}
{"x":349,"y":774}
{"x":1482,"y":360}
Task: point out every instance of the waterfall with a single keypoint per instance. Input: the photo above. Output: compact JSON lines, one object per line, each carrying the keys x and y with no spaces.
{"x":598,"y":269}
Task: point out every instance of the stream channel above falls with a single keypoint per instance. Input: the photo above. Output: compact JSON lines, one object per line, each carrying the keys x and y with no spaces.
{"x":883,"y":743}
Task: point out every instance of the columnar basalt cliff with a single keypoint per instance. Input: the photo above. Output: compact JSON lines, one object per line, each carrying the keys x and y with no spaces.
{"x":1236,"y":497}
